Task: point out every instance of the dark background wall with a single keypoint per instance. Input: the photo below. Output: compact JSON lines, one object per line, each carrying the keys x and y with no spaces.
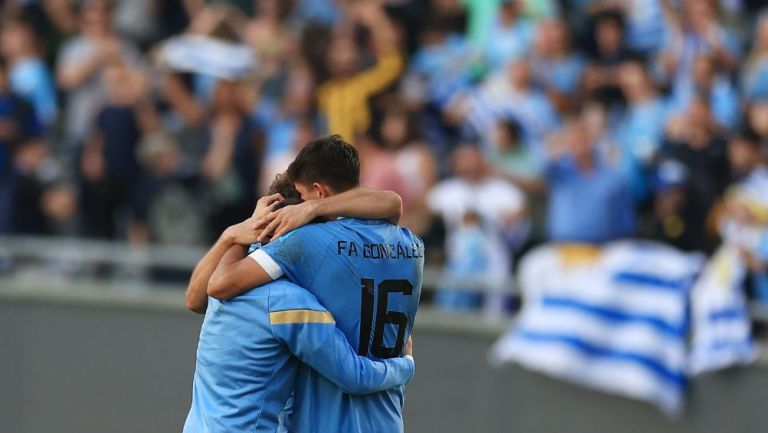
{"x":112,"y":368}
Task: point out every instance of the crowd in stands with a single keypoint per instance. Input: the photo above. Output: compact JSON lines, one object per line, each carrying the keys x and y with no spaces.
{"x":501,"y":123}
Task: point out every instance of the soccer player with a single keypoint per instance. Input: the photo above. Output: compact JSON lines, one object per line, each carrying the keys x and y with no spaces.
{"x":245,"y":368}
{"x":368,"y":274}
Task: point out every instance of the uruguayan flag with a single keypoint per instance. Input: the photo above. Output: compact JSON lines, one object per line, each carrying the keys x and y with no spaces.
{"x":613,"y":319}
{"x":208,"y":56}
{"x":721,"y":325}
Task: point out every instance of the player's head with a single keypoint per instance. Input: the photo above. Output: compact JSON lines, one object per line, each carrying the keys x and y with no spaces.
{"x":324,"y":167}
{"x":282,"y":185}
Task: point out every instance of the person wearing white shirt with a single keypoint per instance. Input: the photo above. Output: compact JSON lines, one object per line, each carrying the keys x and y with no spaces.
{"x":498,"y":202}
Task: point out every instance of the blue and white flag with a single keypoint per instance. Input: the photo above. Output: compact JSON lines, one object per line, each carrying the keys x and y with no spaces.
{"x":722,"y":335}
{"x":208,"y":56}
{"x":613,"y":319}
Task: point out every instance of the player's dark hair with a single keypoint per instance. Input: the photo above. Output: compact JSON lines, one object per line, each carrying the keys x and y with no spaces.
{"x":329,"y":160}
{"x":282,"y":185}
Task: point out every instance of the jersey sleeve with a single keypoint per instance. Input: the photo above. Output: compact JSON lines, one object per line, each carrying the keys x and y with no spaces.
{"x":294,"y":255}
{"x":310,"y":333}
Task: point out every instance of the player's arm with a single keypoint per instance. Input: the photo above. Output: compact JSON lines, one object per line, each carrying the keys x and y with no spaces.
{"x":364,"y":203}
{"x":235,"y":273}
{"x":312,"y":336}
{"x":196,"y":297}
{"x":233,"y":238}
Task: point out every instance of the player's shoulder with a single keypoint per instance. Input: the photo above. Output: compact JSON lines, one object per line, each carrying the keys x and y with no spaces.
{"x":357,"y":222}
{"x":302,"y":238}
{"x":310,"y":230}
{"x":385,"y":228}
{"x":284,"y":295}
{"x":406,"y":233}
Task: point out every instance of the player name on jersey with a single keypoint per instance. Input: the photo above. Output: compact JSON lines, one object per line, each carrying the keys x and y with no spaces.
{"x":380,"y":251}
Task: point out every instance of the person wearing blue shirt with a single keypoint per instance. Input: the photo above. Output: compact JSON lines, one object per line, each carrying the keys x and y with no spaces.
{"x":508,"y":37}
{"x":607,"y":215}
{"x":367,"y":273}
{"x":250,"y":347}
{"x":509,"y":94}
{"x":715,"y":86}
{"x":29,"y":76}
{"x":641,"y":127}
{"x":443,"y":65}
{"x":556,"y":67}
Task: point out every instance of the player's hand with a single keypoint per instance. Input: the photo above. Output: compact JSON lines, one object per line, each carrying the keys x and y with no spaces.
{"x":408,"y":349}
{"x":280,"y":222}
{"x":243,"y":233}
{"x":265,"y":205}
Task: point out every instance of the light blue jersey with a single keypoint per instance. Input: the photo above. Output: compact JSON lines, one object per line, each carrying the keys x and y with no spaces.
{"x":246,"y":367}
{"x":368,"y":274}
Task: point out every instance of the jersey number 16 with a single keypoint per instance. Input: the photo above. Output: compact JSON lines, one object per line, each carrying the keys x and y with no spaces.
{"x":383,"y":317}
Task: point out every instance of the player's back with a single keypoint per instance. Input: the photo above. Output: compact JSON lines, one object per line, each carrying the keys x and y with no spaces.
{"x":368,"y":274}
{"x":243,"y":375}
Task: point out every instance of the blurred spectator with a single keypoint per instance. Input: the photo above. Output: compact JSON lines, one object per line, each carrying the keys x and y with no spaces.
{"x":575,"y":171}
{"x":441,"y":67}
{"x":81,"y":63}
{"x":343,"y":98}
{"x":273,"y":44}
{"x":757,"y":120}
{"x":500,"y":205}
{"x":324,"y":12}
{"x":19,"y":130}
{"x":509,"y":94}
{"x":287,"y":123}
{"x":59,"y":204}
{"x":645,"y":20}
{"x":514,"y":159}
{"x":696,"y":30}
{"x":601,"y":78}
{"x":109,"y":162}
{"x":137,"y":19}
{"x":231,"y":163}
{"x":556,"y":67}
{"x":469,"y":262}
{"x":168,"y":194}
{"x":744,"y":219}
{"x":693,"y":140}
{"x":379,"y":166}
{"x":29,"y":75}
{"x":414,"y":165}
{"x":509,"y":36}
{"x":672,"y":208}
{"x":439,"y":71}
{"x":745,"y":154}
{"x":755,"y":72}
{"x":641,"y":128}
{"x":53,"y":22}
{"x":715,"y":87}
